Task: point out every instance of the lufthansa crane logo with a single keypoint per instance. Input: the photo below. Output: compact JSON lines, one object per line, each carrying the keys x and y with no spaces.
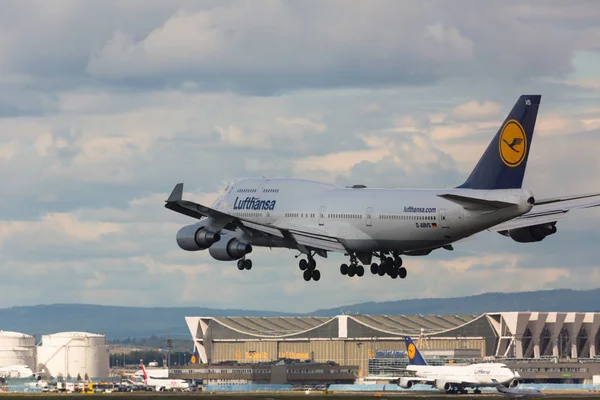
{"x":512,"y":145}
{"x":411,"y":350}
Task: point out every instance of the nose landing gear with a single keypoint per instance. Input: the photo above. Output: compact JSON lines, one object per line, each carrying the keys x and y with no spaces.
{"x":244,"y":263}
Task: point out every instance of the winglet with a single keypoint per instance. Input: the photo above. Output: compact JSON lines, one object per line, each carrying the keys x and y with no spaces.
{"x":176,"y":194}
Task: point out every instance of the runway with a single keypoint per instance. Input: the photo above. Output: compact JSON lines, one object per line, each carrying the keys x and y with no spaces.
{"x":288,"y":396}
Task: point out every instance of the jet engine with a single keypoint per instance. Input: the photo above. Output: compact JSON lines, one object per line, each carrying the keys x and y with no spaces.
{"x":196,"y":237}
{"x":530,"y":234}
{"x":229,"y":249}
{"x":406,"y":383}
{"x":443,"y":385}
{"x":513,"y":383}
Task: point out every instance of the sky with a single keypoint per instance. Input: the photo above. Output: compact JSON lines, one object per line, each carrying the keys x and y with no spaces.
{"x":106,"y":105}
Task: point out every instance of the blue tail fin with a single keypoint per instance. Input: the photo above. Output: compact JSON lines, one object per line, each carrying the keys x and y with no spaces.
{"x":414,"y":355}
{"x":502,"y":166}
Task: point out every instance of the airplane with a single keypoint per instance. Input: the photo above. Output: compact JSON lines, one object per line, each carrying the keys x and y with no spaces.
{"x":515,"y":393}
{"x":16,"y":371}
{"x":366,"y":224}
{"x":455,"y":378}
{"x":163,"y":384}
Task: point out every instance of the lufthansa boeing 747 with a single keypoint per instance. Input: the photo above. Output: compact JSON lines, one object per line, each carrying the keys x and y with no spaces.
{"x":376,"y":226}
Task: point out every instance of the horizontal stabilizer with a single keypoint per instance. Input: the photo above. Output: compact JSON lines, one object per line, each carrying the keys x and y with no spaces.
{"x":476,"y":204}
{"x":565,"y":198}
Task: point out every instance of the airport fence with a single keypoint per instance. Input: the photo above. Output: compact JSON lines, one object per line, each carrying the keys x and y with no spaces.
{"x":420,"y":387}
{"x":22,"y":385}
{"x":248,"y":388}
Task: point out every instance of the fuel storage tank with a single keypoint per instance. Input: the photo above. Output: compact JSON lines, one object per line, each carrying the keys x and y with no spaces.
{"x":69,"y":354}
{"x":17,"y":349}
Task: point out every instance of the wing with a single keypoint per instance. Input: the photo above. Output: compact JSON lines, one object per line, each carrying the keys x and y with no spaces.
{"x":299,"y":238}
{"x":550,"y":210}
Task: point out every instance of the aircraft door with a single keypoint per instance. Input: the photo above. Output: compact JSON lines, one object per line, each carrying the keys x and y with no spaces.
{"x":369,"y":216}
{"x":321,"y":216}
{"x":443,"y":219}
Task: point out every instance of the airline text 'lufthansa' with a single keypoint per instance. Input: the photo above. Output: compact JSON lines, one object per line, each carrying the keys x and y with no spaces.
{"x":411,"y":209}
{"x":253,"y":203}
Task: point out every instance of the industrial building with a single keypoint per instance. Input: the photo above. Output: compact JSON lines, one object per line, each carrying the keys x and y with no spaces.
{"x":282,"y":372}
{"x":72,"y":354}
{"x":65,"y":354}
{"x":526,"y":341}
{"x":17,"y":349}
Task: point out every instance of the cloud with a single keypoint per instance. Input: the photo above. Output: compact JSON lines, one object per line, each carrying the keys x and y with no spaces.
{"x":473,"y":111}
{"x":289,"y":46}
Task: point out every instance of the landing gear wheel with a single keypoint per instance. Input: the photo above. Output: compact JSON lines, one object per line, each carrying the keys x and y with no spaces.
{"x":240,"y":264}
{"x":477,"y":391}
{"x":402,"y":272}
{"x":381,"y":269}
{"x":374,"y":268}
{"x":360,"y":270}
{"x":316,"y":274}
{"x":351,"y":270}
{"x":307,"y":275}
{"x":312,"y":264}
{"x":303,"y":264}
{"x":390,"y":268}
{"x":394,"y":274}
{"x":398,"y":262}
{"x":344,"y":269}
{"x":248,"y":264}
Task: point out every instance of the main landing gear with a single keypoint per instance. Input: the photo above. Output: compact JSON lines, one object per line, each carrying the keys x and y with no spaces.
{"x":244,"y":263}
{"x":353,"y":269}
{"x":309,"y":266}
{"x":390,"y":266}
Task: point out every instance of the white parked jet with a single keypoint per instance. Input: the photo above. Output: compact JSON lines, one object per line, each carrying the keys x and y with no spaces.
{"x":371,"y":223}
{"x":162,"y":384}
{"x":16,"y":371}
{"x":456,"y":378}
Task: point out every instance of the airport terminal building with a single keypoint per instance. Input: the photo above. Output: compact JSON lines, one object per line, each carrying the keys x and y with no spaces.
{"x":550,"y":346}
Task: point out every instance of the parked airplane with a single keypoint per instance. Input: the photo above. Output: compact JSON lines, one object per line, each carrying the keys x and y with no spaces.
{"x":515,"y":393}
{"x":162,"y":384}
{"x":366,"y":223}
{"x":455,"y":378}
{"x":16,"y":371}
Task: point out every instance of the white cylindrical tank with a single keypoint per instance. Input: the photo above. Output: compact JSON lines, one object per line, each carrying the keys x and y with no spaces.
{"x":69,"y":354}
{"x":17,"y":349}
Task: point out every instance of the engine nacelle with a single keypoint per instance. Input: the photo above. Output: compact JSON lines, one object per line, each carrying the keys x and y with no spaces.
{"x":229,"y":249}
{"x":513,"y":383}
{"x":196,"y":237}
{"x":535,"y":233}
{"x":443,"y":385}
{"x":406,"y":383}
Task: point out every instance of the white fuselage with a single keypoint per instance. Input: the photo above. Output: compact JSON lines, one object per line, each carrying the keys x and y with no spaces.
{"x":167,"y":384}
{"x":482,"y":374}
{"x":16,"y":371}
{"x":365,"y":219}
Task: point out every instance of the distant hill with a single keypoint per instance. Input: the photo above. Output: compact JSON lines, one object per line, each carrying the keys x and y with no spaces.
{"x":542,"y":300}
{"x":115,"y":322}
{"x":123,"y":322}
